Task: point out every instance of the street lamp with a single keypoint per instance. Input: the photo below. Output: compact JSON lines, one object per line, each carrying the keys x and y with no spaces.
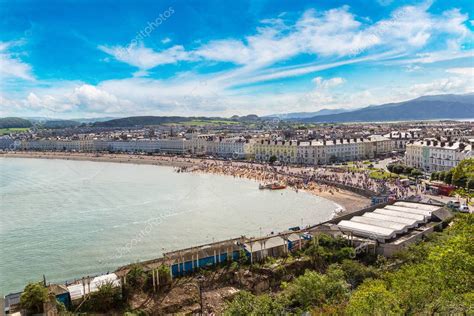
{"x":200,"y":280}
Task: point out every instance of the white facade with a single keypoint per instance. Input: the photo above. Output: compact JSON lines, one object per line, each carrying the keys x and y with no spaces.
{"x":434,"y":155}
{"x":400,"y":139}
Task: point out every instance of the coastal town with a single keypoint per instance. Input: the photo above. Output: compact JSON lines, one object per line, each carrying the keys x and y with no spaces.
{"x":237,"y":158}
{"x":429,"y":146}
{"x":357,"y":169}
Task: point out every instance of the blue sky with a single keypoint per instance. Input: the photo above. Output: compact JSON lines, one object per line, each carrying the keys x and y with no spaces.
{"x":69,"y":59}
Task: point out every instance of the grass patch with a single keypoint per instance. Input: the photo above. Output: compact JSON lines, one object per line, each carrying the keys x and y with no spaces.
{"x":380,"y":174}
{"x":204,"y":123}
{"x":5,"y":131}
{"x":355,"y":169}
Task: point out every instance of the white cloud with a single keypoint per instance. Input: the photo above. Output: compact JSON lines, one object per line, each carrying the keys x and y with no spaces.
{"x":69,"y":98}
{"x":334,"y":38}
{"x":442,"y":86}
{"x":10,"y":65}
{"x":329,"y":83}
{"x":227,"y":51}
{"x":434,"y":57}
{"x":96,"y":100}
{"x":466,"y":71}
{"x":332,"y":33}
{"x":145,"y":58}
{"x":195,"y":95}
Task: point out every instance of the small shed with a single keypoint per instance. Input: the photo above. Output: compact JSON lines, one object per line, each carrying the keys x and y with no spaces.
{"x":61,"y":293}
{"x":260,"y":249}
{"x":79,"y":290}
{"x":12,"y":302}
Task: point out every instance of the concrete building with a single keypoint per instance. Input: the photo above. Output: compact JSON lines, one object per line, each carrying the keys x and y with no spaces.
{"x":400,"y":139}
{"x":231,"y":148}
{"x":6,"y":143}
{"x":284,"y":151}
{"x":173,"y":145}
{"x":433,"y":155}
{"x":317,"y":152}
{"x":393,"y":227}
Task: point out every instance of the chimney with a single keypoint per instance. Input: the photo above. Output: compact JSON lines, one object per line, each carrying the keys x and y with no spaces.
{"x":451,"y":143}
{"x":342,"y":140}
{"x":428,"y":142}
{"x":298,"y":142}
{"x":361,"y":139}
{"x":442,"y":144}
{"x":334,"y":141}
{"x":435,"y":143}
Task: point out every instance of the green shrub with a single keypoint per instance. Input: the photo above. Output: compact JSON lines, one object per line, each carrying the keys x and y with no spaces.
{"x":245,"y":303}
{"x":33,"y":297}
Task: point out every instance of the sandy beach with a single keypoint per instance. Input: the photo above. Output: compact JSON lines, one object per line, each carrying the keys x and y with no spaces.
{"x":347,"y":200}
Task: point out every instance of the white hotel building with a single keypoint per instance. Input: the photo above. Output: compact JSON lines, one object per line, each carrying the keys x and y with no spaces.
{"x":433,"y":155}
{"x":307,"y":153}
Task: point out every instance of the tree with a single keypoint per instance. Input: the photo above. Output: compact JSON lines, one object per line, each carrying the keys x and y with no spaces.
{"x":33,"y":297}
{"x":463,"y":172}
{"x":105,"y":299}
{"x":164,"y":274}
{"x":407,"y":169}
{"x":136,"y":277}
{"x":448,"y":178}
{"x":373,"y":298}
{"x":316,"y":289}
{"x":442,"y":175}
{"x":356,"y":272}
{"x":416,"y":173}
{"x":470,"y":183}
{"x":390,"y":167}
{"x":329,"y":250}
{"x":272,"y":159}
{"x":245,"y":303}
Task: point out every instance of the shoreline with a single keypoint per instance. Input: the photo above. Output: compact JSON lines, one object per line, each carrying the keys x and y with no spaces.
{"x":344,"y":199}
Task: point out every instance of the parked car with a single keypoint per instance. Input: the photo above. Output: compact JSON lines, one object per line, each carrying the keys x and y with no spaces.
{"x":464,"y":208}
{"x":454,"y":204}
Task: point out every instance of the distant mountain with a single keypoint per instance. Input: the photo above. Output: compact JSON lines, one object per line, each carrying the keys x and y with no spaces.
{"x":14,"y":122}
{"x":154,"y":120}
{"x":302,"y":115}
{"x":246,"y":118}
{"x":448,"y":106}
{"x":53,"y":124}
{"x":94,"y":119}
{"x":141,"y":121}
